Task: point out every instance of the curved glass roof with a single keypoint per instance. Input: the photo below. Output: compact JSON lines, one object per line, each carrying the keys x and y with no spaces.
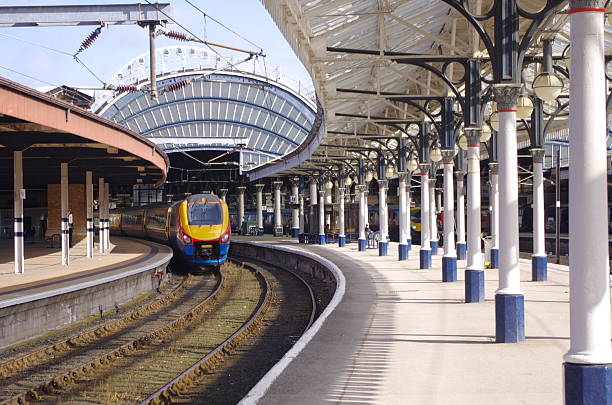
{"x":206,"y":109}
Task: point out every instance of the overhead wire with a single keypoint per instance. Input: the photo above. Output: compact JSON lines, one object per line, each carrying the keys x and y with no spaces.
{"x":223,"y":25}
{"x":195,"y":36}
{"x":28,"y":76}
{"x":73,"y":56}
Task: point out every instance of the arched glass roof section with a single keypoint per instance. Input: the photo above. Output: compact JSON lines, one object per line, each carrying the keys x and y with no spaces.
{"x":201,"y":108}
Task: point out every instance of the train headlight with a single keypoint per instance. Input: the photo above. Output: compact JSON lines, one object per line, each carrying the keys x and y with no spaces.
{"x":186,"y":239}
{"x":225,"y":237}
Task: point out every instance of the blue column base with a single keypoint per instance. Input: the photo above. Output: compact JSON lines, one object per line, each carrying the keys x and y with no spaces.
{"x":539,"y":271}
{"x":295,"y":232}
{"x":509,"y":318}
{"x":383,"y":248}
{"x":434,"y":247}
{"x":409,"y":244}
{"x":425,"y":259}
{"x":449,"y":269}
{"x":260,"y":232}
{"x":588,"y":384}
{"x":403,"y":252}
{"x":461,"y":251}
{"x":495,"y":258}
{"x":474,"y":286}
{"x":341,"y":241}
{"x":322,"y":239}
{"x":362,"y":244}
{"x":301,"y":238}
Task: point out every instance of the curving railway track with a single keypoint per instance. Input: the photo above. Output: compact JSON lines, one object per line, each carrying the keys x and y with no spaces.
{"x":209,"y":340}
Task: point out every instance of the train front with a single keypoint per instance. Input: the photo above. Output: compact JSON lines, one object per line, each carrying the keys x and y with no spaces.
{"x":204,"y":231}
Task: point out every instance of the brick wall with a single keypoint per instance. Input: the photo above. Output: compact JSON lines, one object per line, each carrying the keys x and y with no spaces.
{"x":76,"y":204}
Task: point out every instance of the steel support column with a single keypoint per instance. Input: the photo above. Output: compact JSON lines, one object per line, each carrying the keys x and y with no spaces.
{"x":425,"y":252}
{"x":341,"y":230}
{"x":89,"y":212}
{"x":588,"y":363}
{"x":362,"y":217}
{"x":295,"y":211}
{"x":101,"y":245}
{"x":449,"y":261}
{"x":494,"y":198}
{"x":64,"y":214}
{"x":259,"y":208}
{"x":509,"y":300}
{"x":383,"y":244}
{"x":404,"y":219}
{"x":278,"y":219}
{"x":241,"y":191}
{"x":474,"y":273}
{"x":539,"y":259}
{"x":18,"y":210}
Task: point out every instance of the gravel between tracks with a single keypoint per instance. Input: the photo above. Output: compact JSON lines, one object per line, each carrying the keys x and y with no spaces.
{"x":133,"y":377}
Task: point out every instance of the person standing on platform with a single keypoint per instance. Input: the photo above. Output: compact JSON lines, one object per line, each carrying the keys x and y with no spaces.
{"x":70,"y":228}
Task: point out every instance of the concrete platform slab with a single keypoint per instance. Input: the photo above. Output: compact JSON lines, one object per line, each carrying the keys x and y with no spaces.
{"x":402,"y":336}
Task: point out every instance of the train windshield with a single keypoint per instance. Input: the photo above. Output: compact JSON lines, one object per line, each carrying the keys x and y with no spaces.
{"x":204,"y":213}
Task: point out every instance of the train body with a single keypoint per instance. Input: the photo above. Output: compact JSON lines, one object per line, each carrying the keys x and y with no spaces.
{"x":197,"y":228}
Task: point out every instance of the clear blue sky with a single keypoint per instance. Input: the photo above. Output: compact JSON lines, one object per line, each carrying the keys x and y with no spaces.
{"x":119,"y":44}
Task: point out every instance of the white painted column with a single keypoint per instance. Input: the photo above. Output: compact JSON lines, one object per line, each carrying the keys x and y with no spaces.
{"x":18,"y":210}
{"x":295,"y":211}
{"x":241,"y":190}
{"x":408,"y":210}
{"x":539,"y":247}
{"x":322,"y":238}
{"x":223,"y":194}
{"x":433,"y":224}
{"x":509,"y":269}
{"x":474,"y":255}
{"x":362,"y":216}
{"x":495,"y":207}
{"x":460,"y":210}
{"x":449,"y":209}
{"x":383,"y":221}
{"x":404,"y":227}
{"x":302,"y":218}
{"x":341,"y":226}
{"x":313,"y":195}
{"x":278,"y":223}
{"x":101,"y":214}
{"x":425,"y":220}
{"x":588,"y":229}
{"x":107,"y":216}
{"x":64,"y":213}
{"x":259,"y":207}
{"x":89,"y":213}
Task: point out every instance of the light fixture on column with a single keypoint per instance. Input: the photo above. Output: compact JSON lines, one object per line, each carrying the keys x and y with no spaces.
{"x":390,"y":172}
{"x":369,"y":176}
{"x":524,"y":107}
{"x":462,"y":142}
{"x":547,"y":86}
{"x":329,"y":185}
{"x":485,"y":133}
{"x":412,"y":164}
{"x":348,"y":181}
{"x":436,"y":154}
{"x":494,"y":120}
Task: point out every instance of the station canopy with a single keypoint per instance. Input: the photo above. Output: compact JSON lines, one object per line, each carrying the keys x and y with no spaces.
{"x":208,"y":113}
{"x":362,"y":56}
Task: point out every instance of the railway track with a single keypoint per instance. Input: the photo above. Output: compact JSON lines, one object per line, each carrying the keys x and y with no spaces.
{"x":250,"y":352}
{"x":221,"y":344}
{"x":50,"y":367}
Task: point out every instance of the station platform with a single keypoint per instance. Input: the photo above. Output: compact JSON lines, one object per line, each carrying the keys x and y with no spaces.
{"x":50,"y":296}
{"x":44,"y":273}
{"x":401,"y":336}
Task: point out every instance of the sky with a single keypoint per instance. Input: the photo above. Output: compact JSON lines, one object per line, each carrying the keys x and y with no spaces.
{"x":117,"y":45}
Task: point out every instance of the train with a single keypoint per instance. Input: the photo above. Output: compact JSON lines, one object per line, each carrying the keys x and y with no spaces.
{"x":197,"y":228}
